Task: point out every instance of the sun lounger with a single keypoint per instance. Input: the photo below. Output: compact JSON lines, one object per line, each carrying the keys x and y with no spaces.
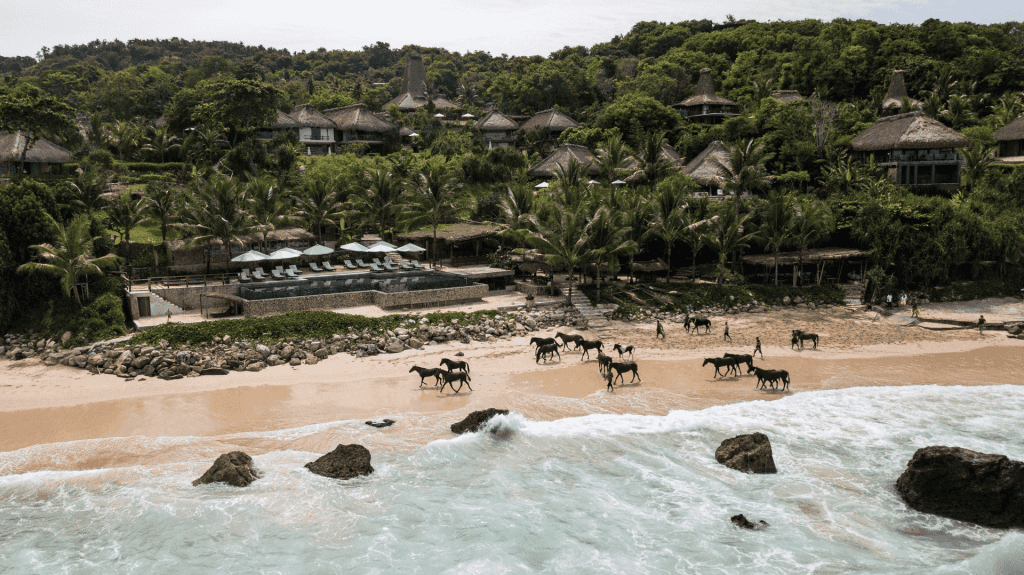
{"x":348,"y":282}
{"x":405,"y":265}
{"x":294,"y":270}
{"x":257,"y":275}
{"x":243,"y":276}
{"x":361,"y":264}
{"x":291,"y":273}
{"x":351,"y":265}
{"x":327,"y":266}
{"x":390,"y":267}
{"x":376,"y":268}
{"x":277,"y":275}
{"x":377,"y":261}
{"x":416,"y":265}
{"x":314,"y":267}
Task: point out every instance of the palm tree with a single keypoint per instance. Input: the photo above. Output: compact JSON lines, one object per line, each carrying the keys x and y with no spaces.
{"x":319,"y":203}
{"x":668,"y":221}
{"x":517,"y":210}
{"x":205,"y":145}
{"x":563,"y":239}
{"x":379,"y":199}
{"x":778,"y":226}
{"x":162,"y":204}
{"x":124,"y":135}
{"x":218,"y":212}
{"x":727,"y":236}
{"x":608,"y":239}
{"x":570,"y":183}
{"x":638,"y":214}
{"x":126,"y":214}
{"x":695,"y":223}
{"x":88,"y":191}
{"x":70,"y":255}
{"x":653,"y":164}
{"x":435,"y":199}
{"x":161,"y":141}
{"x":745,"y":170}
{"x":814,"y":222}
{"x":611,"y":158}
{"x":957,"y":112}
{"x":976,"y":163}
{"x":269,"y":205}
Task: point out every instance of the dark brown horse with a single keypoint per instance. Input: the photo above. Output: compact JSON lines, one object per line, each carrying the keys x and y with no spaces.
{"x":729,"y":363}
{"x":566,"y":338}
{"x":624,"y":367}
{"x":550,"y":350}
{"x":742,"y":358}
{"x":539,"y":341}
{"x":587,"y":346}
{"x":434,"y":372}
{"x":603,"y":361}
{"x":452,"y":365}
{"x":450,"y":377}
{"x":701,"y":321}
{"x":802,"y":336}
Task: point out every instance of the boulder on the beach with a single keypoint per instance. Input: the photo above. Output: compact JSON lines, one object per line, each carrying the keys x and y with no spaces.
{"x":474,"y":421}
{"x":747,"y":453}
{"x":384,"y":423}
{"x":233,"y":468}
{"x":345,"y":462}
{"x":1014,"y":328}
{"x":214,"y":371}
{"x":965,"y":485}
{"x":741,"y":521}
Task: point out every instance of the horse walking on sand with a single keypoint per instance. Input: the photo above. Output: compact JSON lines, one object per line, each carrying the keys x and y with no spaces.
{"x":624,"y":367}
{"x":773,"y":376}
{"x":589,"y":345}
{"x":623,"y":349}
{"x":539,"y":341}
{"x":701,"y":321}
{"x":549,"y":350}
{"x":603,"y":361}
{"x":743,"y":358}
{"x":800,"y":336}
{"x":566,"y":338}
{"x":450,"y":377}
{"x":423,"y":372}
{"x":452,"y":365}
{"x":729,"y":363}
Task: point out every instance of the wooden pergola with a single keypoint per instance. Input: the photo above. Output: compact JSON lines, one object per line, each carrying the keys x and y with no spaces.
{"x":818,"y":256}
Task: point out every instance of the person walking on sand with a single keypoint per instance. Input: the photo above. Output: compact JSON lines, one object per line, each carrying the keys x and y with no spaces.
{"x":726,"y":335}
{"x":915,"y":312}
{"x":757,"y":348}
{"x":661,"y":331}
{"x":981,"y":325}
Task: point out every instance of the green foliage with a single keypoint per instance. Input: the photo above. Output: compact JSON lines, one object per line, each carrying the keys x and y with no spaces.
{"x":691,"y":296}
{"x":635,"y":115}
{"x":972,"y":290}
{"x":152,"y":167}
{"x":627,"y":311}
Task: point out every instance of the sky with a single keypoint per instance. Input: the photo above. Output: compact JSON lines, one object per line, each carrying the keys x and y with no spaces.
{"x":513,"y":27}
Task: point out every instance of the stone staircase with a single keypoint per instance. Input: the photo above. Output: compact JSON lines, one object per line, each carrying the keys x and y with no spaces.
{"x":595,"y":317}
{"x":854,"y":292}
{"x":159,"y":306}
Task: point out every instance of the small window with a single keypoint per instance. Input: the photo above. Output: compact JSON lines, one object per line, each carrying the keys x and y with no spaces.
{"x":314,"y":133}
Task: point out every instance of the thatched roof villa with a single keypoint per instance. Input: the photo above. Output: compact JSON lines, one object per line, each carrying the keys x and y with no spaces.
{"x":705,"y":106}
{"x":1011,"y":142}
{"x":893,"y":101}
{"x":414,"y":88}
{"x":357,"y":125}
{"x":316,"y":131}
{"x":282,"y":124}
{"x":497,"y":129}
{"x":559,"y":160}
{"x":706,"y":171}
{"x":551,"y":120}
{"x":668,"y":153}
{"x":914,"y":149}
{"x":38,"y":159}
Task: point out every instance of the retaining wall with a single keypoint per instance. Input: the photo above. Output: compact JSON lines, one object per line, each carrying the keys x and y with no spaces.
{"x":188,"y":297}
{"x":352,"y":299}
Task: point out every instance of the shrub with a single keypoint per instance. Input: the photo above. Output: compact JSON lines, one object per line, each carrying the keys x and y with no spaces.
{"x":627,"y":311}
{"x":964,"y":291}
{"x":153,"y":167}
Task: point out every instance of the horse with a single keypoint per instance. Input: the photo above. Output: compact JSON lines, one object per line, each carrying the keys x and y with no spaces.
{"x":803,"y":336}
{"x":550,"y":350}
{"x":627,"y":349}
{"x":450,"y":377}
{"x":603,"y":361}
{"x":589,"y":345}
{"x":453,"y":365}
{"x":427,"y":372}
{"x":701,"y":321}
{"x":623,"y":367}
{"x":566,"y":338}
{"x":539,"y":341}
{"x":773,"y":376}
{"x":727,"y":362}
{"x":741,"y":358}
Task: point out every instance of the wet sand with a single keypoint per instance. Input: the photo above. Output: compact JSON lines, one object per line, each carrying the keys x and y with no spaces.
{"x":168,"y":421}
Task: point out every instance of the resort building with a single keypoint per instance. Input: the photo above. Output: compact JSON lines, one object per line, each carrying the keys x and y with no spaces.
{"x":414,"y":89}
{"x":559,"y":160}
{"x":38,"y":158}
{"x":707,"y":169}
{"x":497,"y":129}
{"x":551,"y":121}
{"x":914,"y":149}
{"x":316,"y":131}
{"x":355,"y":124}
{"x":704,"y":106}
{"x":1011,"y":142}
{"x":893,"y":102}
{"x":282,"y":125}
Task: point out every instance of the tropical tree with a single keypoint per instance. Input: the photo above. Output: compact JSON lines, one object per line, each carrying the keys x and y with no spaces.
{"x":976,"y":163}
{"x":33,"y":112}
{"x":435,"y":199}
{"x":269,"y":205}
{"x":745,"y":170}
{"x":124,"y":136}
{"x":69,"y":257}
{"x":668,"y":221}
{"x":87,"y":192}
{"x":379,"y":199}
{"x":611,"y":157}
{"x":319,"y":202}
{"x":205,"y":144}
{"x":638,"y":217}
{"x":218,"y":212}
{"x":608,"y":240}
{"x":162,"y":203}
{"x":517,"y":208}
{"x":777,"y":228}
{"x":653,"y":164}
{"x":695,"y":224}
{"x":563,"y":239}
{"x":727,"y":235}
{"x":161,"y":141}
{"x":125,"y":214}
{"x":813,"y":222}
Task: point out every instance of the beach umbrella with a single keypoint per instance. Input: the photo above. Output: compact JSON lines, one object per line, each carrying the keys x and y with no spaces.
{"x":414,"y":135}
{"x":385,"y":244}
{"x":411,"y":248}
{"x":353,"y":247}
{"x":542,"y":185}
{"x":592,"y":182}
{"x":284,"y":254}
{"x":618,"y":183}
{"x":468,"y":116}
{"x":438,"y":115}
{"x":378,"y":249}
{"x":250,"y":256}
{"x":317,"y":250}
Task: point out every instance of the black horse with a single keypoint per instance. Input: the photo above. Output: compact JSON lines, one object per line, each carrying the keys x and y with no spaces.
{"x":624,"y":367}
{"x":742,"y":358}
{"x":589,"y":345}
{"x":623,"y":349}
{"x":453,"y":365}
{"x":729,"y":363}
{"x":450,"y":377}
{"x":772,"y":376}
{"x":802,"y":336}
{"x":603,"y":361}
{"x":434,"y":372}
{"x":549,"y":350}
{"x":701,"y":321}
{"x":539,"y":341}
{"x":566,"y":338}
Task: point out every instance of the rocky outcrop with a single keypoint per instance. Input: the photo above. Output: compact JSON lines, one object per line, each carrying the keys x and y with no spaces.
{"x":345,"y":462}
{"x":474,"y":421}
{"x":747,"y":453}
{"x":965,"y":485}
{"x":741,"y":521}
{"x":384,"y":423}
{"x":233,"y":468}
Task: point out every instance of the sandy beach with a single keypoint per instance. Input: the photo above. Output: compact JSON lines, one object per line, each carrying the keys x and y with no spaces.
{"x":44,"y":405}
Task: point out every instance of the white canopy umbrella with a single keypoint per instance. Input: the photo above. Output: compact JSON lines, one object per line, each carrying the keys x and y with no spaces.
{"x":385,"y":244}
{"x":618,"y":183}
{"x":353,"y":247}
{"x":468,"y":116}
{"x":542,"y":185}
{"x":284,"y":254}
{"x":414,"y":135}
{"x":411,"y":248}
{"x":250,"y":256}
{"x":592,"y":182}
{"x":439,"y":115}
{"x":317,"y":250}
{"x":378,"y":249}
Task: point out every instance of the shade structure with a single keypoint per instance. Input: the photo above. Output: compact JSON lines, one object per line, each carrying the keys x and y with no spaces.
{"x":618,"y":183}
{"x":385,"y":244}
{"x":438,"y":115}
{"x":468,"y":116}
{"x":414,"y":135}
{"x":592,"y":182}
{"x":317,"y":250}
{"x":353,"y":247}
{"x":378,"y":249}
{"x":409,"y":248}
{"x":250,"y":256}
{"x":284,"y":254}
{"x":542,"y":185}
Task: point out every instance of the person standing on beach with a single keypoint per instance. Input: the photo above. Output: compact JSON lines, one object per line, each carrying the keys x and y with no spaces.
{"x":903,"y":299}
{"x":981,"y":325}
{"x":888,"y":301}
{"x":915,"y":312}
{"x":757,"y":348}
{"x":660,"y":332}
{"x":726,"y":333}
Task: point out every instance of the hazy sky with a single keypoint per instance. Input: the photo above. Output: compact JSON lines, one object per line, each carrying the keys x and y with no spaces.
{"x":520,"y":27}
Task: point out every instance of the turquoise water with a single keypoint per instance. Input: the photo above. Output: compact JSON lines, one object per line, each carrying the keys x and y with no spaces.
{"x":594,"y":494}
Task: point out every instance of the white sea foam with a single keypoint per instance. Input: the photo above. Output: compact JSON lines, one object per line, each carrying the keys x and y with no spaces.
{"x":594,"y":494}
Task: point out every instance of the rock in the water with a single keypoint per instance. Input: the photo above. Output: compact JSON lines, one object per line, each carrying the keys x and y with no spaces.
{"x":741,"y":521}
{"x":474,"y":421}
{"x":345,"y":462}
{"x":747,"y":453}
{"x":233,"y":468}
{"x":966,"y":485}
{"x":384,"y":423}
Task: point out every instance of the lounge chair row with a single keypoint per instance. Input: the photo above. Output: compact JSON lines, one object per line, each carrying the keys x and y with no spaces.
{"x":280,"y":273}
{"x":386,"y":265}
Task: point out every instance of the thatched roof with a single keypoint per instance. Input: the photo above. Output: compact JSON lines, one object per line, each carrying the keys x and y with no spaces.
{"x":787,"y":96}
{"x":668,"y":153}
{"x":41,"y":152}
{"x":414,"y":88}
{"x":406,"y":131}
{"x":1012,"y":131}
{"x":910,"y":131}
{"x":898,"y":91}
{"x":815,"y":255}
{"x":550,"y":119}
{"x":548,"y":167}
{"x":495,"y":121}
{"x":705,"y":93}
{"x":357,"y":117}
{"x":650,"y":267}
{"x":455,"y":233}
{"x":306,"y":116}
{"x":284,"y":121}
{"x":704,"y":170}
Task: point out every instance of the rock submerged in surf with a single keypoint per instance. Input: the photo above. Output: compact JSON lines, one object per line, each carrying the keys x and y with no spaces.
{"x":474,"y":421}
{"x":345,"y":462}
{"x":965,"y":485}
{"x":741,"y":521}
{"x":747,"y":453}
{"x":233,"y":468}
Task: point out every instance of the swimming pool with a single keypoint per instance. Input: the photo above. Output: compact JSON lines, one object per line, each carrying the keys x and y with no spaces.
{"x":326,"y":284}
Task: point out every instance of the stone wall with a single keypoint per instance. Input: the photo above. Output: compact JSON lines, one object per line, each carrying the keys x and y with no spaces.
{"x":188,"y":297}
{"x":352,"y":299}
{"x":534,"y":289}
